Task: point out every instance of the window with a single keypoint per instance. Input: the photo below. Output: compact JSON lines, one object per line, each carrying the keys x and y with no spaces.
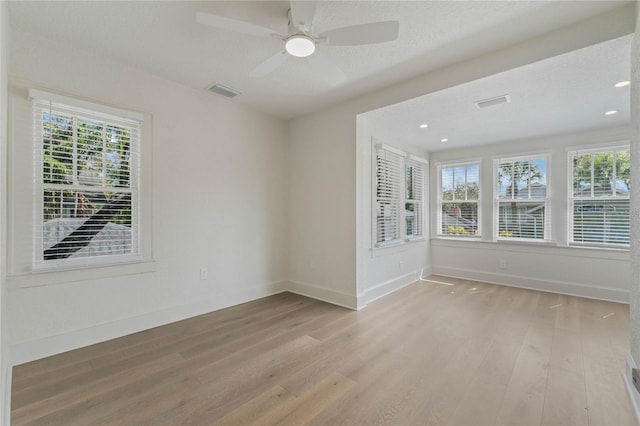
{"x":399,"y":196}
{"x":522,"y":198}
{"x":413,"y":205}
{"x":459,"y":192}
{"x":599,"y":197}
{"x":87,"y":175}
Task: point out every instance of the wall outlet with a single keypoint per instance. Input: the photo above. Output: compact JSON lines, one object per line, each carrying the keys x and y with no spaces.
{"x":203,"y":273}
{"x":401,"y":266}
{"x":635,"y":377}
{"x":502,"y":264}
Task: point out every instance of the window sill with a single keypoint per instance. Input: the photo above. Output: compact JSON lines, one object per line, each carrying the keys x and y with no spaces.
{"x":458,"y":238}
{"x":523,"y":241}
{"x":48,"y":276}
{"x":397,"y":246}
{"x":620,"y":248}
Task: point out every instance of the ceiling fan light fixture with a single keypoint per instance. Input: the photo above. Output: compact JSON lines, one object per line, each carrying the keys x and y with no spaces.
{"x":300,"y":45}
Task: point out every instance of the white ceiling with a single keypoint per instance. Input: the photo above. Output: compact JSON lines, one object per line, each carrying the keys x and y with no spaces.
{"x":564,"y":94}
{"x":164,"y":39}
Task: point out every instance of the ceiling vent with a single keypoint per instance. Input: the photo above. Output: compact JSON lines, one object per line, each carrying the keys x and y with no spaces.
{"x":223,"y":90}
{"x":486,"y":103}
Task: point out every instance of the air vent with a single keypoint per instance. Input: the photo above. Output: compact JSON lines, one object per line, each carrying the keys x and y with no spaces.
{"x":486,"y":103}
{"x":225,"y":91}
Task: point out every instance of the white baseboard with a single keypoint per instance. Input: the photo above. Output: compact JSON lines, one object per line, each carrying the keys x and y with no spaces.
{"x":634,"y":396}
{"x":26,"y":351}
{"x":5,"y":394}
{"x":321,"y":293}
{"x":388,"y":287}
{"x":562,"y":287}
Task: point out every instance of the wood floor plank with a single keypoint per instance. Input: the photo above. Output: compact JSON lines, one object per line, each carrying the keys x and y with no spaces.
{"x":440,"y":351}
{"x":568,"y":313}
{"x":304,"y":408}
{"x":566,"y":351}
{"x":565,"y":399}
{"x":71,"y":395}
{"x":222,"y":389}
{"x":255,"y":412}
{"x":480,"y":401}
{"x":524,"y":399}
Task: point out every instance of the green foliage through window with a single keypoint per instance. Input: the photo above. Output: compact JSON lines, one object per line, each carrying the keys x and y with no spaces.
{"x":87,"y":178}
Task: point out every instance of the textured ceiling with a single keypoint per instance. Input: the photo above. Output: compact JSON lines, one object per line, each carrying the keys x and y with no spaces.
{"x":163,"y":38}
{"x":563,"y":94}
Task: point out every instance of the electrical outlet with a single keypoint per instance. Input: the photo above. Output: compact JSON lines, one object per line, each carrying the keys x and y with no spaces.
{"x":502,"y":264}
{"x":401,"y":266}
{"x":635,"y":377}
{"x":203,"y":273}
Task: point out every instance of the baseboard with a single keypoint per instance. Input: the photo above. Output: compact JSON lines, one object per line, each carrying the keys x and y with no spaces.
{"x":26,"y":351}
{"x":5,"y":392}
{"x":562,"y":287}
{"x":324,"y":294}
{"x":634,"y":396}
{"x":388,"y":287}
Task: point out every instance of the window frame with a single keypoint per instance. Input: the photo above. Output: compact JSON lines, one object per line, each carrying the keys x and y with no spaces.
{"x":140,"y":202}
{"x":401,"y":201}
{"x":571,"y":199}
{"x":415,"y":161}
{"x":440,"y":202}
{"x":548,"y":232}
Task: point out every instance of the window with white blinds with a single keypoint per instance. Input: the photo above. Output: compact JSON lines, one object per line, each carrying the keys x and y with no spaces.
{"x":458,"y":195}
{"x":399,"y":196}
{"x":599,"y":197}
{"x":389,"y":177}
{"x":414,"y":200}
{"x":522,"y":198}
{"x":86,"y":181}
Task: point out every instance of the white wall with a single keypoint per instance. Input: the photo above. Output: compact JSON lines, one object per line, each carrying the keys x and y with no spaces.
{"x":325,"y":215}
{"x":220,"y":201}
{"x":322,"y":210}
{"x":633,"y":360}
{"x":328,"y":180}
{"x":584,"y":272}
{"x":5,"y":371}
{"x":383,"y":270}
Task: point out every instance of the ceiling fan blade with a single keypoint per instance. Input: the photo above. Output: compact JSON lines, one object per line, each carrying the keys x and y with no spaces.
{"x":269,"y":65}
{"x":302,"y":13}
{"x":375,"y":32}
{"x":325,"y":67}
{"x":233,"y":25}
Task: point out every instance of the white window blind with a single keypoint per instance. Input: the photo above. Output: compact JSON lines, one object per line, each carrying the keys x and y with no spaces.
{"x":599,"y":197}
{"x":458,"y":195}
{"x":399,"y":196}
{"x":86,"y":181}
{"x":389,"y":184}
{"x":522,"y":198}
{"x":414,"y":201}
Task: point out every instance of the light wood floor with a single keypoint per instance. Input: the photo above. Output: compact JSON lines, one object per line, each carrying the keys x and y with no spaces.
{"x":440,"y":352}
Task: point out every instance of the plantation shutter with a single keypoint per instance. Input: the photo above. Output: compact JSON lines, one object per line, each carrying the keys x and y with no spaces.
{"x":389,"y":182}
{"x":86,"y":180}
{"x":414,"y":205}
{"x":600,"y":197}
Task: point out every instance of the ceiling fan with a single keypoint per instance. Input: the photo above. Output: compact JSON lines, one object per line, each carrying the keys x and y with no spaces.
{"x":301,"y":40}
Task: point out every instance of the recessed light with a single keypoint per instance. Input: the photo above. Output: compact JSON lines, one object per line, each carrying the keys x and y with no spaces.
{"x":622,"y":83}
{"x":424,"y":125}
{"x":444,"y":140}
{"x":610,"y":112}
